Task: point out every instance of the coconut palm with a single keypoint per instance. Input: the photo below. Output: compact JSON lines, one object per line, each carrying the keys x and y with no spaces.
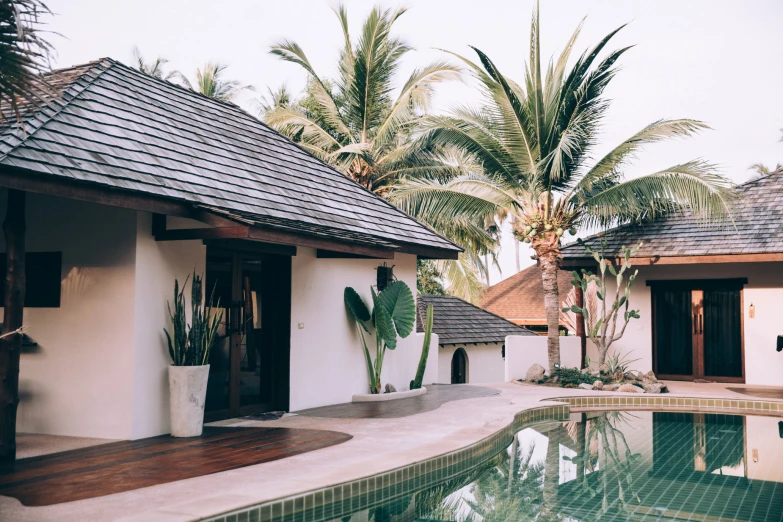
{"x":153,"y":68}
{"x":24,"y":55}
{"x":210,"y":83}
{"x":534,"y":141}
{"x":357,"y":124}
{"x":273,"y":99}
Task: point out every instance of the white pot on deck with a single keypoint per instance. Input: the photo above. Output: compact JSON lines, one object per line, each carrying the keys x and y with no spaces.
{"x":187,"y":394}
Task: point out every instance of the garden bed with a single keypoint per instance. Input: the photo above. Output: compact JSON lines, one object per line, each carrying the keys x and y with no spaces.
{"x":380,"y":397}
{"x":597,"y":380}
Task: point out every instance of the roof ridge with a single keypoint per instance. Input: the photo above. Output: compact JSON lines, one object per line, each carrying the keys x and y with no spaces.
{"x":48,"y":116}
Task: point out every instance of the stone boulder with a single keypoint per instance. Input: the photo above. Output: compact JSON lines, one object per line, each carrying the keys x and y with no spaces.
{"x":598,"y":385}
{"x":629,"y":376}
{"x":611,"y":387}
{"x":630,"y":388}
{"x":390,"y":388}
{"x":653,"y":387}
{"x":650,"y":376}
{"x":585,"y":386}
{"x":535,"y":373}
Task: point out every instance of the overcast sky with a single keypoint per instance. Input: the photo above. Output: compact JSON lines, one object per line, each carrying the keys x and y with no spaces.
{"x":720,"y":61}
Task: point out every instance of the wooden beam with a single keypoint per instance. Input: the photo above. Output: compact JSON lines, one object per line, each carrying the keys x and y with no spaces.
{"x":28,"y":181}
{"x":329,"y":254}
{"x":288,"y":238}
{"x":185,"y":234}
{"x":256,"y":247}
{"x":13,"y":316}
{"x":683,"y":260}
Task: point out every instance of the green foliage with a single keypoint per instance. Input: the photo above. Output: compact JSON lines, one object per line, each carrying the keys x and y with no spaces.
{"x":569,"y":377}
{"x":619,"y":363}
{"x":210,"y":83}
{"x":156,"y":68}
{"x":191,"y":346}
{"x":425,"y":350}
{"x":393,"y":315}
{"x":429,"y":280}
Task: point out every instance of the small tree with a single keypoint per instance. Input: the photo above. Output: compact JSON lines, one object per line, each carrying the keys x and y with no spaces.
{"x":602,"y":329}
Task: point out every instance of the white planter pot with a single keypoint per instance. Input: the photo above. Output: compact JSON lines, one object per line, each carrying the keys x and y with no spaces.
{"x":187,"y":394}
{"x":382,"y":397}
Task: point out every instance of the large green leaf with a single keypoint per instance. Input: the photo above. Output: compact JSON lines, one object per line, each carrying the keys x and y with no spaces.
{"x":398,"y":301}
{"x":384,"y":326}
{"x":356,"y":305}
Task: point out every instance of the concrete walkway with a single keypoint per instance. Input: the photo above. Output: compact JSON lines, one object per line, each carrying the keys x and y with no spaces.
{"x":378,"y":445}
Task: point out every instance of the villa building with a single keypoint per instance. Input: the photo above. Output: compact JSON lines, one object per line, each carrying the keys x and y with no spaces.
{"x":709,"y":294}
{"x":131,"y":182}
{"x":471,"y":340}
{"x":520,"y":298}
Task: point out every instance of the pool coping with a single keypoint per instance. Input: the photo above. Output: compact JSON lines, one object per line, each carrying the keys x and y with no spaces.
{"x":334,"y":501}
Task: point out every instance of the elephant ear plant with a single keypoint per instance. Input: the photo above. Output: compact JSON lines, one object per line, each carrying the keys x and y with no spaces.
{"x":393,"y":315}
{"x":190,"y":347}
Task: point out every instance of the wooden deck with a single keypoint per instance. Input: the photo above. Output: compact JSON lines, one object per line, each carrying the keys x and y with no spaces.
{"x":437,"y":395}
{"x":123,"y":466}
{"x":754,"y":391}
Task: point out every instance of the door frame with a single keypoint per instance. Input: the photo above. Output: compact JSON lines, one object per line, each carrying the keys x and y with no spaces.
{"x":280,"y":400}
{"x":463,"y":354}
{"x":736,"y":283}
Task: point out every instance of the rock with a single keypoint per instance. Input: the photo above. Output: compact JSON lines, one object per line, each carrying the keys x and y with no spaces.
{"x":598,"y":385}
{"x":585,"y":370}
{"x":585,"y":386}
{"x":390,"y":388}
{"x":629,"y":376}
{"x":604,"y":368}
{"x":596,"y":373}
{"x":651,"y":376}
{"x":630,"y":388}
{"x":611,"y":387}
{"x":653,"y":387}
{"x":664,"y":389}
{"x":535,"y":373}
{"x":618,"y":375}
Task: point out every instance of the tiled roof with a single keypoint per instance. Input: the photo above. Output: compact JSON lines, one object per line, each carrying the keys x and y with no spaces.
{"x":116,"y":127}
{"x":757,"y":216}
{"x":458,"y":322}
{"x":520,"y":298}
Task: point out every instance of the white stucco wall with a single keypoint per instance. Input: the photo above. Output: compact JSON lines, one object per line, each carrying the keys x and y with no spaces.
{"x":327,"y":362}
{"x":158,"y":264}
{"x":523,"y":351}
{"x":79,"y":380}
{"x":763,"y":365}
{"x":484,"y":365}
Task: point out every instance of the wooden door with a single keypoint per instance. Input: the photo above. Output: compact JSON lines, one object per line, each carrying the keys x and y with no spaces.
{"x":697,"y":330}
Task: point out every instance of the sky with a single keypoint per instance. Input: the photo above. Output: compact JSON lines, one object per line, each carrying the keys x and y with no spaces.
{"x":718,"y":61}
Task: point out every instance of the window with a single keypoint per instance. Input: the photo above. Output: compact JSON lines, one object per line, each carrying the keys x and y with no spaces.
{"x":43,"y":274}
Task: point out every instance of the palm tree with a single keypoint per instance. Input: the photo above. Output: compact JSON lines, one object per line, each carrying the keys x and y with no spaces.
{"x":277,"y":99}
{"x":154,"y":68}
{"x":356,"y":123}
{"x":24,"y":55}
{"x":210,"y":83}
{"x":533,"y":142}
{"x":762,"y":170}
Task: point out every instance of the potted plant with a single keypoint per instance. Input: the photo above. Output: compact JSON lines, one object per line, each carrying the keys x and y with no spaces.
{"x":189,"y":346}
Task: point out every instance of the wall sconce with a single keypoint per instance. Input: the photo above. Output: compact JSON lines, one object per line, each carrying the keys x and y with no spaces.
{"x":752,"y":311}
{"x":384,"y":276}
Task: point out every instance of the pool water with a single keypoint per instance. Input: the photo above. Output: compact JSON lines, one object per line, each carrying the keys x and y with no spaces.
{"x":597,"y":466}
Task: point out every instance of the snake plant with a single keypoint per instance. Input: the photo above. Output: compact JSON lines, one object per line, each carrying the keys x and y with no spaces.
{"x":189,"y":345}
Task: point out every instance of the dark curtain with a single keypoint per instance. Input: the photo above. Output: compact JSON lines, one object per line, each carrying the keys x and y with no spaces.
{"x":722,"y":333}
{"x":673,"y":337}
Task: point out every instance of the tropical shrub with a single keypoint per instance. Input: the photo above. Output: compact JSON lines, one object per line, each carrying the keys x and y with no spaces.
{"x":602,"y":329}
{"x":189,"y":345}
{"x":393,"y":315}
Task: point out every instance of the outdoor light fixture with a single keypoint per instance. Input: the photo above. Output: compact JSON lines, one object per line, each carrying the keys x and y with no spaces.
{"x":752,"y":311}
{"x":384,"y":276}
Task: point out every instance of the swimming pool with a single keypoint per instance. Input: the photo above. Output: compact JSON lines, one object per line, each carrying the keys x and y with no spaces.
{"x":600,"y":465}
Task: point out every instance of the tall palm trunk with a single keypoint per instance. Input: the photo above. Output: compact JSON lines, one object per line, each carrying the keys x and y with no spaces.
{"x":547,"y":250}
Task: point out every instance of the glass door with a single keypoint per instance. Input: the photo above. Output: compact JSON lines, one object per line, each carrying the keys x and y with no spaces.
{"x":249,"y":365}
{"x":697,"y":330}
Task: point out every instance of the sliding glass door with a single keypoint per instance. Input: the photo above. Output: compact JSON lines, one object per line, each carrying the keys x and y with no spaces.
{"x":697,"y":329}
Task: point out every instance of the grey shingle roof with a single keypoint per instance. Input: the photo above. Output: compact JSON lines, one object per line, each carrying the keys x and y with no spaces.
{"x":122,"y":129}
{"x":757,"y":215}
{"x":457,"y":321}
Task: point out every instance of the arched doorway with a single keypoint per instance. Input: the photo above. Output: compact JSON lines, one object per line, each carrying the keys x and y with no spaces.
{"x":459,"y":367}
